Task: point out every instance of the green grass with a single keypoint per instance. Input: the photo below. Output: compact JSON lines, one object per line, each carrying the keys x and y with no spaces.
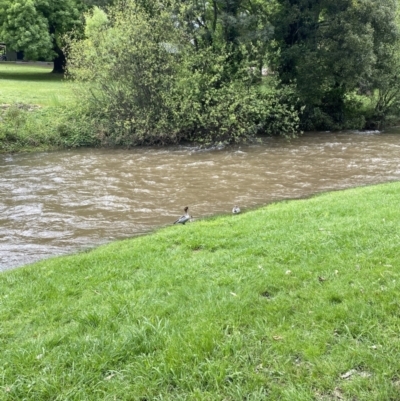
{"x":56,"y":123}
{"x":30,"y":84}
{"x":280,"y":303}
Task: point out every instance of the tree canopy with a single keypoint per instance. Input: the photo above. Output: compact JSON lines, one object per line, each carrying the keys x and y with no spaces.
{"x":37,"y":26}
{"x":331,"y":48}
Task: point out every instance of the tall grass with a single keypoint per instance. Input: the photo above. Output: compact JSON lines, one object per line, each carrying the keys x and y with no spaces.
{"x":295,"y":301}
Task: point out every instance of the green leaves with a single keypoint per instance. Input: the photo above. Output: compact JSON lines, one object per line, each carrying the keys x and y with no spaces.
{"x":24,"y":28}
{"x":36,"y":26}
{"x":329,"y":48}
{"x":149,"y":82}
{"x":96,"y":22}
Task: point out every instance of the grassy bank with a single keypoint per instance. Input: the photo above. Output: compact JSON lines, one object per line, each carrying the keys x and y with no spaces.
{"x":294,"y":301}
{"x":36,"y":109}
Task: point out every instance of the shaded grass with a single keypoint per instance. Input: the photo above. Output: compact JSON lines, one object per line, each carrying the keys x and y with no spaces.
{"x":276,"y":304}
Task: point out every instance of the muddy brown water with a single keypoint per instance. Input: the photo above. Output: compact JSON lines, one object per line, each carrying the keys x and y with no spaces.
{"x":61,"y":202}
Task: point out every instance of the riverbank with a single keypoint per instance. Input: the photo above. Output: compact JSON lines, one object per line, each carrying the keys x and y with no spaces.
{"x":293,"y":301}
{"x":40,"y":111}
{"x":37,"y":109}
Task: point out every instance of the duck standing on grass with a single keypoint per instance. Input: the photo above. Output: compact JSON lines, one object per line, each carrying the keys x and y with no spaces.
{"x":185,"y":218}
{"x":236,"y":209}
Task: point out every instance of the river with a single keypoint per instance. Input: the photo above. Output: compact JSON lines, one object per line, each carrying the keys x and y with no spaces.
{"x":56,"y":203}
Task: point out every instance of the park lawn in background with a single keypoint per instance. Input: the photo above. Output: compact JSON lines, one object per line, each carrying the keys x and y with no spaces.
{"x":295,"y":301}
{"x":30,"y":84}
{"x":38,"y":110}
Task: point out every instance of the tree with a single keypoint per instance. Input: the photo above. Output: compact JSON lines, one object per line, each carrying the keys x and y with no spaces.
{"x":144,"y":80}
{"x":37,"y":27}
{"x":228,"y":23}
{"x":98,"y":3}
{"x":331,"y":47}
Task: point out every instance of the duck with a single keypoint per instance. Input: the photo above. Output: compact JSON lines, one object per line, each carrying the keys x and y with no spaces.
{"x":236,"y":209}
{"x":185,"y":218}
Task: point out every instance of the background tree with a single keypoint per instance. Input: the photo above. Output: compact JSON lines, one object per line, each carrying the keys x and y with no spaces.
{"x":99,"y":3}
{"x":330,"y":48}
{"x":233,"y":24}
{"x":144,"y":80}
{"x":37,"y":26}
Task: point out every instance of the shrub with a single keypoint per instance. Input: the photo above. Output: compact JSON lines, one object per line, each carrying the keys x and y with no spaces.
{"x":145,"y":83}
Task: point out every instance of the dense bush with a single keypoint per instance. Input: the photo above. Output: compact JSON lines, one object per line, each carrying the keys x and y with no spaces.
{"x":148,"y":84}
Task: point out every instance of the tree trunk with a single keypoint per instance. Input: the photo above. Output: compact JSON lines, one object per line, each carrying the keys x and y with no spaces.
{"x":59,"y":60}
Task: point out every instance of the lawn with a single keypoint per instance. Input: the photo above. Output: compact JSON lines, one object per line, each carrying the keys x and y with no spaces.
{"x":38,"y":110}
{"x":32,"y":85}
{"x":295,"y":301}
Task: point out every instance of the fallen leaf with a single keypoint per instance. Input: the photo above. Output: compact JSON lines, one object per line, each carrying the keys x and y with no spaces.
{"x":338,"y":393}
{"x":232,"y":293}
{"x":259,"y":367}
{"x":277,"y":338}
{"x":348,"y":374}
{"x":288,"y":272}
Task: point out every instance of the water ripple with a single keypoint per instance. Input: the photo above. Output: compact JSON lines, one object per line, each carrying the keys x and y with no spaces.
{"x":59,"y":202}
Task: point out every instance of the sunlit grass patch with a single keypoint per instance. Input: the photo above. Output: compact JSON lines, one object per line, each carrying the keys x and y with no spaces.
{"x":38,"y":110}
{"x":31,"y":85}
{"x":294,"y":301}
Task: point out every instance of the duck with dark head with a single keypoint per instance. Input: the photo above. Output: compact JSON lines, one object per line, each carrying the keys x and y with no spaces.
{"x":185,"y":218}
